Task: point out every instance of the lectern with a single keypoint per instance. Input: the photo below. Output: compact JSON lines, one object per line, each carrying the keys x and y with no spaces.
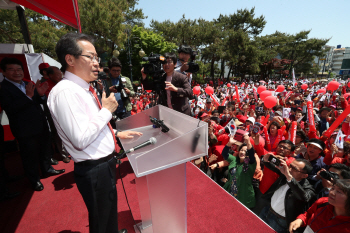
{"x":160,"y":168}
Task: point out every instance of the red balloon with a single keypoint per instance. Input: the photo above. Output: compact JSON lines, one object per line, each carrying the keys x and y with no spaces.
{"x":270,"y":101}
{"x":304,"y":86}
{"x":348,"y":84}
{"x":321,"y":91}
{"x":261,"y":89}
{"x":280,"y":88}
{"x":265,"y":94}
{"x":229,"y":85}
{"x":209,"y":90}
{"x":333,"y":85}
{"x":196,"y":90}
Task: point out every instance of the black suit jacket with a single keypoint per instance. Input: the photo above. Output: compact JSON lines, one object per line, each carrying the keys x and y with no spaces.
{"x":26,"y":116}
{"x":179,"y":99}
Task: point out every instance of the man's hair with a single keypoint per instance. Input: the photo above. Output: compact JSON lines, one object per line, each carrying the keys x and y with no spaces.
{"x":106,"y":70}
{"x":340,"y":167}
{"x":292,"y":146}
{"x":9,"y":61}
{"x":68,"y":44}
{"x":51,"y":70}
{"x":307,"y":168}
{"x":172,"y":56}
{"x":114,"y":62}
{"x":185,"y":49}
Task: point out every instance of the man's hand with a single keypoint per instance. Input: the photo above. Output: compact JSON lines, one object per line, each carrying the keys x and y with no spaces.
{"x":41,"y":89}
{"x":334,"y":149}
{"x":99,"y":85}
{"x":184,"y":67}
{"x":127,"y":134}
{"x":213,"y":157}
{"x":30,"y":89}
{"x":113,"y":89}
{"x":144,"y":76}
{"x":267,"y":156}
{"x":170,"y":87}
{"x":285,"y":170}
{"x":110,"y":103}
{"x":293,"y":226}
{"x":127,"y":90}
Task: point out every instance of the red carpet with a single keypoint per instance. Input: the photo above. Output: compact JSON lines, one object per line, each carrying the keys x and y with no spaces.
{"x":60,"y":208}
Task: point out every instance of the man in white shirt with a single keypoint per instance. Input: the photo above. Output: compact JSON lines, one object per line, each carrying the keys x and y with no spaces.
{"x":83,"y":125}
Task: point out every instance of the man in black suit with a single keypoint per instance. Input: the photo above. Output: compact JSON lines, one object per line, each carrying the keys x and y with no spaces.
{"x":21,"y":102}
{"x":174,"y":88}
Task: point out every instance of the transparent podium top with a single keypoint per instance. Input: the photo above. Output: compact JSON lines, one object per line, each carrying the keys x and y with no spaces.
{"x":187,"y":139}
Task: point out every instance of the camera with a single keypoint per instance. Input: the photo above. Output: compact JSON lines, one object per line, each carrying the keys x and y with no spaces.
{"x":275,"y":161}
{"x":256,"y":127}
{"x":329,"y":175}
{"x":154,"y":65}
{"x":120,"y":88}
{"x":192,"y":66}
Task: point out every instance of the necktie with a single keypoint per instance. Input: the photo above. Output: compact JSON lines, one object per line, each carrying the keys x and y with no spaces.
{"x":116,"y":147}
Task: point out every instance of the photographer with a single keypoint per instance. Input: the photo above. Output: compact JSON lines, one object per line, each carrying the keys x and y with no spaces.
{"x":290,"y":193}
{"x":184,"y":53}
{"x":122,"y":88}
{"x":174,"y":86}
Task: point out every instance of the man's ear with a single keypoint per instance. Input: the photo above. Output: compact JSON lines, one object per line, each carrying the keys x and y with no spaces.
{"x":305,"y":176}
{"x":69,"y":59}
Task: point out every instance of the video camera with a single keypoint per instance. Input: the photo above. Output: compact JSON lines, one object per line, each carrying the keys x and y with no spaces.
{"x":154,"y":65}
{"x":192,"y":66}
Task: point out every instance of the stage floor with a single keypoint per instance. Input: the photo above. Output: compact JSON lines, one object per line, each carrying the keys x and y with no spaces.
{"x":60,"y":208}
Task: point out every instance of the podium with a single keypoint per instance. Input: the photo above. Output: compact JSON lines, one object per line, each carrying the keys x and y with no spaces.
{"x":160,"y":168}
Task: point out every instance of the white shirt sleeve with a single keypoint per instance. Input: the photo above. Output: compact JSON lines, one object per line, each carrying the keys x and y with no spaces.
{"x":76,"y":120}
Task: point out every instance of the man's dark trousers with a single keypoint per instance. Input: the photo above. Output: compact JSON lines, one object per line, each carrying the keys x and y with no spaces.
{"x":97,"y":185}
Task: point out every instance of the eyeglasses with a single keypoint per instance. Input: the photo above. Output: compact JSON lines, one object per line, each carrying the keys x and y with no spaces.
{"x":283,"y":147}
{"x":92,"y":58}
{"x":295,"y":169}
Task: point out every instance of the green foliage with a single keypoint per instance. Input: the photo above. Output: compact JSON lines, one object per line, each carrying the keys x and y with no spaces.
{"x":150,"y":42}
{"x":106,"y":20}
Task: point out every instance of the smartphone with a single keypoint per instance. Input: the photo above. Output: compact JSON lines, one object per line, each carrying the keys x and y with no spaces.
{"x":275,"y":161}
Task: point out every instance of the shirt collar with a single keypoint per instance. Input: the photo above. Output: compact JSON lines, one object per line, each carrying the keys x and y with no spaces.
{"x":77,"y":80}
{"x":16,"y":84}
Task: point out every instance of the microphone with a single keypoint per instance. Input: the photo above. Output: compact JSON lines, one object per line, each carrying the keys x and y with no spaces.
{"x":152,"y":140}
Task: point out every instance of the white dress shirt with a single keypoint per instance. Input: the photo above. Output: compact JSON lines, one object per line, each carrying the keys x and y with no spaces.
{"x":277,"y":200}
{"x":79,"y":121}
{"x":168,"y":92}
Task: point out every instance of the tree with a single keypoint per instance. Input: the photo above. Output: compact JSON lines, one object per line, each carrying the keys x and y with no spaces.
{"x":150,"y":42}
{"x":106,"y":20}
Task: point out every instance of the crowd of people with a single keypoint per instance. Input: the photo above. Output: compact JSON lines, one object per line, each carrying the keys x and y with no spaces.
{"x":280,"y":148}
{"x":289,"y":162}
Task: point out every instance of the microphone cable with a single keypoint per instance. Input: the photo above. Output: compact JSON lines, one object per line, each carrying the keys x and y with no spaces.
{"x":119,"y":162}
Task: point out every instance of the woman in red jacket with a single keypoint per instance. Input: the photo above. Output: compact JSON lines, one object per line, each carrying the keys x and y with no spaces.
{"x":328,"y":214}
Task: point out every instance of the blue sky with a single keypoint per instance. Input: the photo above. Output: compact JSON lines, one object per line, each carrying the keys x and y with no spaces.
{"x":325,"y":18}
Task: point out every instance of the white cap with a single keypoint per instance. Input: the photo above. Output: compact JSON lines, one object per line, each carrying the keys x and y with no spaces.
{"x":251,"y":119}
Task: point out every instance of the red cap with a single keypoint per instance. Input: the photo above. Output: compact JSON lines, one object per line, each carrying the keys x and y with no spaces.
{"x":43,"y":66}
{"x":204,"y":115}
{"x":242,"y":118}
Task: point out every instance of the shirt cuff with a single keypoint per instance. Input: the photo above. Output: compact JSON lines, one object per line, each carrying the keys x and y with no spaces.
{"x":106,"y":114}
